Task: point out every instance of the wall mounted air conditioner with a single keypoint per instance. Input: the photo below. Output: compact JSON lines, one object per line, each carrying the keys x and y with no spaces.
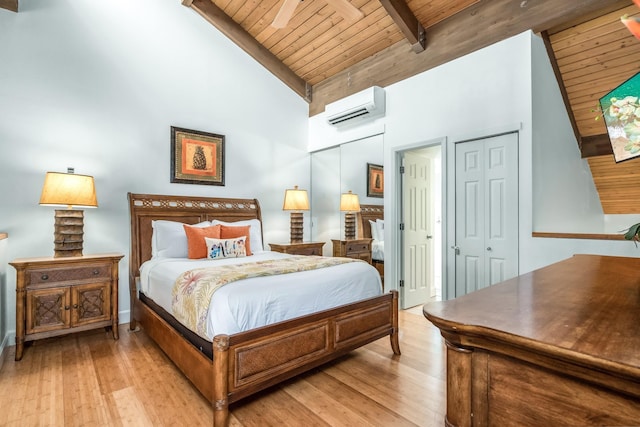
{"x":365,"y":105}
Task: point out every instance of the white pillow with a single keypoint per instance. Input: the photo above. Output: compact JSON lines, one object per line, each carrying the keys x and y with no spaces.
{"x":255,"y":232}
{"x":169,"y":239}
{"x":226,"y":248}
{"x":380,"y":229}
{"x":374,"y":230}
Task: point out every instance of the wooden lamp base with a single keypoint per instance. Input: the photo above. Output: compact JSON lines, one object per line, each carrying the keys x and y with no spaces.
{"x":349,"y":226}
{"x":297,"y":220}
{"x":68,"y":233}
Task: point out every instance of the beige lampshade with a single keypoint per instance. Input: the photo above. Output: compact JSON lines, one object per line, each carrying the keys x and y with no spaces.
{"x":349,"y":202}
{"x":68,"y":189}
{"x":295,"y":200}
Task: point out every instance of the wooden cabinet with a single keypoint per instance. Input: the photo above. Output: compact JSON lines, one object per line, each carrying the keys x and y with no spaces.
{"x":56,"y":296}
{"x":356,"y":248}
{"x":308,"y":248}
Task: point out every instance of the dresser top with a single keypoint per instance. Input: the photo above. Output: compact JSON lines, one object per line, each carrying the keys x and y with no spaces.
{"x":585,"y":308}
{"x":65,"y":260}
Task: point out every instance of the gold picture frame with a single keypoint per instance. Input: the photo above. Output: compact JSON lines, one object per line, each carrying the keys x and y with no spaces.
{"x":375,"y":180}
{"x":196,"y":157}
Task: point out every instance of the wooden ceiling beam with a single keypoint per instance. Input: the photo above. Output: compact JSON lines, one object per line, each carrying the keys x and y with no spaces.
{"x":596,"y":145}
{"x":11,"y":5}
{"x":563,"y":89}
{"x":407,"y":22}
{"x":476,"y":27}
{"x":246,"y":42}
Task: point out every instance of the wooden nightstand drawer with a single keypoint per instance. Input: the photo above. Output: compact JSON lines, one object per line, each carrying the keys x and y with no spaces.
{"x":357,"y":247}
{"x":57,"y":275}
{"x":306,"y":248}
{"x":309,"y":251}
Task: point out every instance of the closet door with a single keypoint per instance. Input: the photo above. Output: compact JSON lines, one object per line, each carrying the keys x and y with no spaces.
{"x":486,"y":212}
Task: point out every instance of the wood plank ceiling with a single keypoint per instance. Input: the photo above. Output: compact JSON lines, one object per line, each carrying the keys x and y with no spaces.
{"x":591,"y":58}
{"x":324,"y":57}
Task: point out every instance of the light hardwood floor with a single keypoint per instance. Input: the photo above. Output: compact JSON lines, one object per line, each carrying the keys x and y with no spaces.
{"x":88,"y":379}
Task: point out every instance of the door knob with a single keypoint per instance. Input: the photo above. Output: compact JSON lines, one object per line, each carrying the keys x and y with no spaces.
{"x":429,"y":236}
{"x":456,"y":249}
{"x":489,"y":248}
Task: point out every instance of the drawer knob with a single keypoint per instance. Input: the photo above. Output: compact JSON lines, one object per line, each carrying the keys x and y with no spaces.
{"x":75,"y":306}
{"x":44,"y":277}
{"x":66,"y":307}
{"x":96,"y":272}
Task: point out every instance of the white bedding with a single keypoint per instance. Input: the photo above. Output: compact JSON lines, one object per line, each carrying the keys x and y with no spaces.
{"x":377,"y":250}
{"x":259,"y":301}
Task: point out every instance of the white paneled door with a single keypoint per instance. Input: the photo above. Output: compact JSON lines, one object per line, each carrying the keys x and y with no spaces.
{"x":486,"y":212}
{"x":418,"y":241}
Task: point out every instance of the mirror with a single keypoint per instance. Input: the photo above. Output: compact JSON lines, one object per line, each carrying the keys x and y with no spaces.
{"x":325,"y":197}
{"x":335,"y":171}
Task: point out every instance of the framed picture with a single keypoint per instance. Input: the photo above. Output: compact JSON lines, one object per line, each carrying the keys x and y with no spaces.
{"x":196,"y":157}
{"x":619,"y":108}
{"x":375,"y":180}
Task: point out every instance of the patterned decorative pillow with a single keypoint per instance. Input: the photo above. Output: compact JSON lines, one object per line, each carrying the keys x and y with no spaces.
{"x":226,"y":248}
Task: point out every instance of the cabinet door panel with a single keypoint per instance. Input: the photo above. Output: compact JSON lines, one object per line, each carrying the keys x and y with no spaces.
{"x":47,"y":310}
{"x":90,"y":303}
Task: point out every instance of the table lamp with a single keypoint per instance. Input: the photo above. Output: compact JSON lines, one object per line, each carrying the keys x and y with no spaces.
{"x":71,"y":190}
{"x":296,"y":201}
{"x":349,"y":203}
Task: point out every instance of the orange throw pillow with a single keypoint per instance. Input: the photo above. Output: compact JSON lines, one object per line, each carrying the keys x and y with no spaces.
{"x":197,"y":247}
{"x":228,"y":232}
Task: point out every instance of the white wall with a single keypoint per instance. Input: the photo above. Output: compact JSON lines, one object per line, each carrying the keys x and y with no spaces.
{"x":97,"y":85}
{"x":556,"y":159}
{"x":563,"y":194}
{"x":508,"y":86}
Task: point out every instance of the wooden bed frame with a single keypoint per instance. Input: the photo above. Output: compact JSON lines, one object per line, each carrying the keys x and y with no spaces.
{"x":367,"y":213}
{"x":247,"y":362}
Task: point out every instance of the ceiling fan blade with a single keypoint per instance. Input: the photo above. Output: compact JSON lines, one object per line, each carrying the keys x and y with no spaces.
{"x":285,"y":13}
{"x":348,"y":11}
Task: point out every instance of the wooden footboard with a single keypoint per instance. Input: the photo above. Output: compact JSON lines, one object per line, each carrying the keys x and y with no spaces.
{"x":251,"y":361}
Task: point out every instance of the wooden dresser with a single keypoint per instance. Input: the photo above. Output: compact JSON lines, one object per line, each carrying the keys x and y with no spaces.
{"x":354,"y":248}
{"x":306,"y":248}
{"x":557,"y":346}
{"x":56,"y":296}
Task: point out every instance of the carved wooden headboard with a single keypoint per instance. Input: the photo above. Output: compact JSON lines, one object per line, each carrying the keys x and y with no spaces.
{"x":368,"y":212}
{"x":144,"y":208}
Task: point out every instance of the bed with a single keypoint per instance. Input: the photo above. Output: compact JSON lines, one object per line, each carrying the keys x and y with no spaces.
{"x":243,"y":363}
{"x":373,"y":214}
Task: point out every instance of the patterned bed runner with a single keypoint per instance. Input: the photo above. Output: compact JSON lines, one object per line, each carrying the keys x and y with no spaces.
{"x":193,"y":290}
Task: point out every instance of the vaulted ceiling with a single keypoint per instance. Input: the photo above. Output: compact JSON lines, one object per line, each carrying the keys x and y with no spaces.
{"x":324,"y":56}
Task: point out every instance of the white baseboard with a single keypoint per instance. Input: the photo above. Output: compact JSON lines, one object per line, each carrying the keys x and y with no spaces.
{"x":124,"y":316}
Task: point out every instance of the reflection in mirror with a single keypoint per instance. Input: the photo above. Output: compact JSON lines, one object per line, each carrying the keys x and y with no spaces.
{"x":325,"y":196}
{"x":335,"y":171}
{"x":354,"y":158}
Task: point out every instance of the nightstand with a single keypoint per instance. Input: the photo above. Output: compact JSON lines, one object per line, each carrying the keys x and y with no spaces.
{"x":307,"y":248}
{"x":353,"y":248}
{"x":57,"y":296}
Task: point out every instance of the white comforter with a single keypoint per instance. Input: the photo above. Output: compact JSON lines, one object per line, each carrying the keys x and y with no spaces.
{"x":259,"y":301}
